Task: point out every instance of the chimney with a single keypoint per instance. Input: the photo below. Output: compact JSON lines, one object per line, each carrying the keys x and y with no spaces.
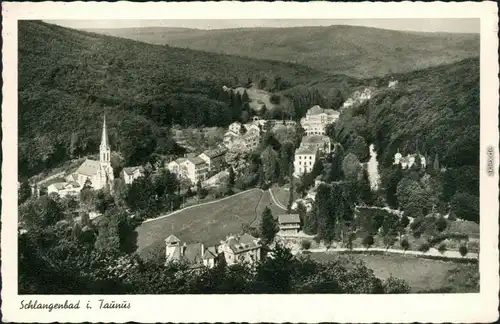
{"x":202,"y":250}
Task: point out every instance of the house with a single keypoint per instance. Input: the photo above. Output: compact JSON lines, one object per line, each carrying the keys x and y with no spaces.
{"x":196,"y":255}
{"x":229,"y":138}
{"x":196,"y":169}
{"x":235,"y":128}
{"x":392,"y":84}
{"x":289,"y":224}
{"x":131,"y":173}
{"x":316,"y":120}
{"x":64,"y":189}
{"x":305,"y":156}
{"x":99,"y":173}
{"x":322,"y":143}
{"x":215,"y":159}
{"x":248,"y":141}
{"x":238,"y":249}
{"x":178,"y":167}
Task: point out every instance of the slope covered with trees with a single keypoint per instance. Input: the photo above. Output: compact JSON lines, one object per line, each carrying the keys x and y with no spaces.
{"x":69,"y":78}
{"x":352,"y":50}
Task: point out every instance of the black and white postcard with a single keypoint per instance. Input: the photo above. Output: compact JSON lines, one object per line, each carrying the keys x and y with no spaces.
{"x":250,"y":162}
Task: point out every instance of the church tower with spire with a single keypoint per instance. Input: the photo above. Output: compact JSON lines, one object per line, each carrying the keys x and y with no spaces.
{"x":105,"y":157}
{"x":104,"y":149}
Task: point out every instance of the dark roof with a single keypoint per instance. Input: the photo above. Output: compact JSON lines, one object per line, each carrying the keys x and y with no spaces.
{"x":289,"y":218}
{"x":192,"y":253}
{"x":196,"y":160}
{"x":215,"y":152}
{"x":210,"y":253}
{"x":242,"y":243}
{"x":131,"y":170}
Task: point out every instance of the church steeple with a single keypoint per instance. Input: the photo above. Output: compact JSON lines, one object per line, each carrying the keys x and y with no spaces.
{"x":105,"y":149}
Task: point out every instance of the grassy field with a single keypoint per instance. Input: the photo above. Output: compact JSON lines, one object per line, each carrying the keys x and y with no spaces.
{"x":421,"y":274}
{"x":208,"y":223}
{"x":282,"y":195}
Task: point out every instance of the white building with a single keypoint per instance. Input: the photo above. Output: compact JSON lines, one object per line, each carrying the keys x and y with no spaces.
{"x":196,"y":169}
{"x":316,"y":120}
{"x":305,"y":156}
{"x":132,"y":173}
{"x":99,"y":173}
{"x":289,"y":224}
{"x":64,"y":189}
{"x":239,"y":249}
{"x":235,"y":128}
{"x":196,"y":255}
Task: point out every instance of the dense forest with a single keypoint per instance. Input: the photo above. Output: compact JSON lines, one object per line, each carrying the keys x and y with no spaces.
{"x":69,"y":78}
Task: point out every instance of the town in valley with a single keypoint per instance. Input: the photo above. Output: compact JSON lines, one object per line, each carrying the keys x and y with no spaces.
{"x":152,"y":161}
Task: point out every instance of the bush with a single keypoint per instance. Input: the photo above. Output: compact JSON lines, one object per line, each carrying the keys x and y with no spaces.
{"x":405,"y":245}
{"x":463,"y":250}
{"x":441,"y":224}
{"x":368,"y":241}
{"x":305,"y":244}
{"x":396,"y":286}
{"x":442,"y":247}
{"x":424,"y":247}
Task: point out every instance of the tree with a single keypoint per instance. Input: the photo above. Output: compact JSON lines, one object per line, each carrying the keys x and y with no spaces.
{"x":302,"y":211}
{"x":24,"y":192}
{"x":351,"y":167}
{"x":74,"y":146}
{"x":465,"y":206}
{"x":270,"y":164}
{"x":412,"y":198}
{"x":368,"y":241}
{"x":442,"y":247}
{"x":395,"y":176}
{"x":290,"y":196}
{"x":396,"y":286}
{"x":365,"y":191}
{"x":305,"y":244}
{"x":359,"y":148}
{"x":402,"y":224}
{"x":463,"y":250}
{"x":263,"y":83}
{"x":231,"y":179}
{"x":245,"y":98}
{"x":268,"y":226}
{"x":441,"y":224}
{"x":405,"y":245}
{"x":337,"y":159}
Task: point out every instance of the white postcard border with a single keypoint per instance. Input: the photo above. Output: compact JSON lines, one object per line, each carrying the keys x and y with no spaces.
{"x":481,"y":307}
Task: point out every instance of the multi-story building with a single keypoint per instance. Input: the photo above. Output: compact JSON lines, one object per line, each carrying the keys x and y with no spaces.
{"x":196,"y":254}
{"x":289,"y":224}
{"x":305,"y":156}
{"x":316,"y":120}
{"x":196,"y":169}
{"x":215,"y":159}
{"x":239,"y":249}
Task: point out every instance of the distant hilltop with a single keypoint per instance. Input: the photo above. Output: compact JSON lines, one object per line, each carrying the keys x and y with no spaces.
{"x":351,"y":50}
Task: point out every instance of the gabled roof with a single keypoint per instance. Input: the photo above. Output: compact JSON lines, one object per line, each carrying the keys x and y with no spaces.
{"x":289,"y":218}
{"x":172,"y":239}
{"x":192,"y":253}
{"x":89,"y":168}
{"x":131,"y":170}
{"x":242,"y":243}
{"x":210,"y":253}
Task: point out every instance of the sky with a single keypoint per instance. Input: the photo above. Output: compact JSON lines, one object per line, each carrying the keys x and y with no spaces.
{"x":449,"y":25}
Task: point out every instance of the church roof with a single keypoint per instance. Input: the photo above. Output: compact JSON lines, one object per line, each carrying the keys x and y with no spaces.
{"x":89,"y":168}
{"x":172,"y":239}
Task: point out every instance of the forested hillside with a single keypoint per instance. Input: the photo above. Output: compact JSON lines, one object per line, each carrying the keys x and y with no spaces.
{"x":69,"y":78}
{"x":352,"y":50}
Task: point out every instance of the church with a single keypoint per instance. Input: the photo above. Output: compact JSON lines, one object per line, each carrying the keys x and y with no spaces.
{"x":99,"y":173}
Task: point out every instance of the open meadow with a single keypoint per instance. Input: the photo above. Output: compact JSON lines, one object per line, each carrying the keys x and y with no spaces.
{"x":208,"y":223}
{"x":423,"y":275}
